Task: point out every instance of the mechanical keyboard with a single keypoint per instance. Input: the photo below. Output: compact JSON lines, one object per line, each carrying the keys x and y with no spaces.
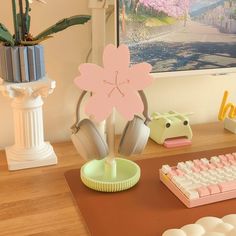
{"x":202,"y":181}
{"x":207,"y":226}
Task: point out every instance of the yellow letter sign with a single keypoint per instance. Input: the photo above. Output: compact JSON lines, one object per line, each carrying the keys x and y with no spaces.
{"x":225,"y":107}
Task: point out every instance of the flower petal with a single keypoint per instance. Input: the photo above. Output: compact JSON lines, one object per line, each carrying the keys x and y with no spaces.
{"x":129,"y":105}
{"x":99,"y":107}
{"x":139,"y":76}
{"x":91,"y":78}
{"x":116,"y":59}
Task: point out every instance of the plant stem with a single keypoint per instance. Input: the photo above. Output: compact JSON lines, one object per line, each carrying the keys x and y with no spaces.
{"x":27,"y":9}
{"x":22,"y":21}
{"x":15,"y":21}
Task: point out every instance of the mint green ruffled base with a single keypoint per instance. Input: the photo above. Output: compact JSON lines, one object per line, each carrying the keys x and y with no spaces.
{"x":93,"y":175}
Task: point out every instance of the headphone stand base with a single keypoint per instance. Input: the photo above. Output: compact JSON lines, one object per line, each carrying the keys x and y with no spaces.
{"x":93,"y":175}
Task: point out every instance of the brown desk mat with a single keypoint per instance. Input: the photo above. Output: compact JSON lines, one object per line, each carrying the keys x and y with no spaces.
{"x":147,"y":209}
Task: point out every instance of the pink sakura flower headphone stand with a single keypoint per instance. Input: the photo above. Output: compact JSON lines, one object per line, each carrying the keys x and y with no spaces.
{"x":117,"y":85}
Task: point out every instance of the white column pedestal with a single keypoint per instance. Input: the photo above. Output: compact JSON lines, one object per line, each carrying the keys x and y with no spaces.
{"x":30,"y":150}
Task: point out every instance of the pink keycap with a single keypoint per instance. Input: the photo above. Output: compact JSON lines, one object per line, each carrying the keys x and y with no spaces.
{"x":211,"y":166}
{"x":197,"y":162}
{"x":222,"y":157}
{"x":234,"y":154}
{"x":227,"y":186}
{"x":203,"y":191}
{"x":218,"y":165}
{"x":180,"y":172}
{"x":230,"y":157}
{"x":213,"y":188}
{"x":225,"y":163}
{"x":171,"y":174}
{"x":203,"y":167}
{"x":232,"y":162}
{"x":195,"y":169}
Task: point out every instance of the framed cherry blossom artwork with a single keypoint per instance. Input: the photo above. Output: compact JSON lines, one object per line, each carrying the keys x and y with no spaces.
{"x":179,"y":35}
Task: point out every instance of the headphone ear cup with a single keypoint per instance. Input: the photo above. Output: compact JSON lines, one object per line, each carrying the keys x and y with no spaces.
{"x":134,"y":137}
{"x":89,"y":142}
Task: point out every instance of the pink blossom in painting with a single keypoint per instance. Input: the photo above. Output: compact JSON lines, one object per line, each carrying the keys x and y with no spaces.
{"x":115,"y":85}
{"x":174,"y":8}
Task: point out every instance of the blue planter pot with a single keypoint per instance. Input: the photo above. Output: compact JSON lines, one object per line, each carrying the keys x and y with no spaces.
{"x":22,"y":63}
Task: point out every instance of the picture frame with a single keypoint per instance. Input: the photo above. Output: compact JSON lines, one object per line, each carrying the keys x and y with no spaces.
{"x":195,"y":41}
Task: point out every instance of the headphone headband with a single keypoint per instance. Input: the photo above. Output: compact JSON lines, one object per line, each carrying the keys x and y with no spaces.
{"x":142,"y":95}
{"x":74,"y":127}
{"x":145,"y":104}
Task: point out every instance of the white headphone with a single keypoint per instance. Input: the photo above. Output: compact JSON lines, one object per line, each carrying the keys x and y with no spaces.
{"x":91,"y":145}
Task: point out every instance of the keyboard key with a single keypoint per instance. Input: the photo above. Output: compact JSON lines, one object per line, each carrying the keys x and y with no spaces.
{"x":180,"y":173}
{"x":171,"y":174}
{"x":214,"y":188}
{"x":205,"y":161}
{"x":225,"y":163}
{"x":203,"y":167}
{"x":223,"y":157}
{"x":181,"y":165}
{"x":189,"y":164}
{"x":212,"y":166}
{"x":191,"y":194}
{"x":185,"y":183}
{"x":197,"y":162}
{"x":232,"y":162}
{"x":219,"y":164}
{"x":203,"y":191}
{"x":227,"y":186}
{"x":215,"y":159}
{"x":187,"y":171}
{"x":234,"y":154}
{"x":166,"y":169}
{"x":195,"y":169}
{"x":230,"y":157}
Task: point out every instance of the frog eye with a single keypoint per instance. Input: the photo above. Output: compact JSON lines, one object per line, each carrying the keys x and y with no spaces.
{"x":167,"y":125}
{"x":185,"y":122}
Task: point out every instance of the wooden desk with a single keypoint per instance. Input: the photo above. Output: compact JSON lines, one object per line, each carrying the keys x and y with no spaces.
{"x":39,"y":202}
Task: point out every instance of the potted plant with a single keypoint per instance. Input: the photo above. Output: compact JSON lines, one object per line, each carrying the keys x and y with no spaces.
{"x":21,"y":55}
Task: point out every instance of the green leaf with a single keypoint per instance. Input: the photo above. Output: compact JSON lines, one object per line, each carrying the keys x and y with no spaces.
{"x":63,"y":24}
{"x":5,"y":35}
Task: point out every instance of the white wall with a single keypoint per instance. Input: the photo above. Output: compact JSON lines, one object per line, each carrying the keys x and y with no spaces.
{"x":68,"y":49}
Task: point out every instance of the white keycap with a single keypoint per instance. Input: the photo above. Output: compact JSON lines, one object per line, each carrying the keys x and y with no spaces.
{"x":193,"y":186}
{"x":219,"y":170}
{"x":205,"y":173}
{"x":186,"y":170}
{"x":181,"y":165}
{"x":233,"y":167}
{"x":166,"y":169}
{"x":215,"y":159}
{"x":185,"y":183}
{"x":205,"y":161}
{"x":177,"y":178}
{"x":212,"y":172}
{"x":191,"y":194}
{"x":189,"y":164}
